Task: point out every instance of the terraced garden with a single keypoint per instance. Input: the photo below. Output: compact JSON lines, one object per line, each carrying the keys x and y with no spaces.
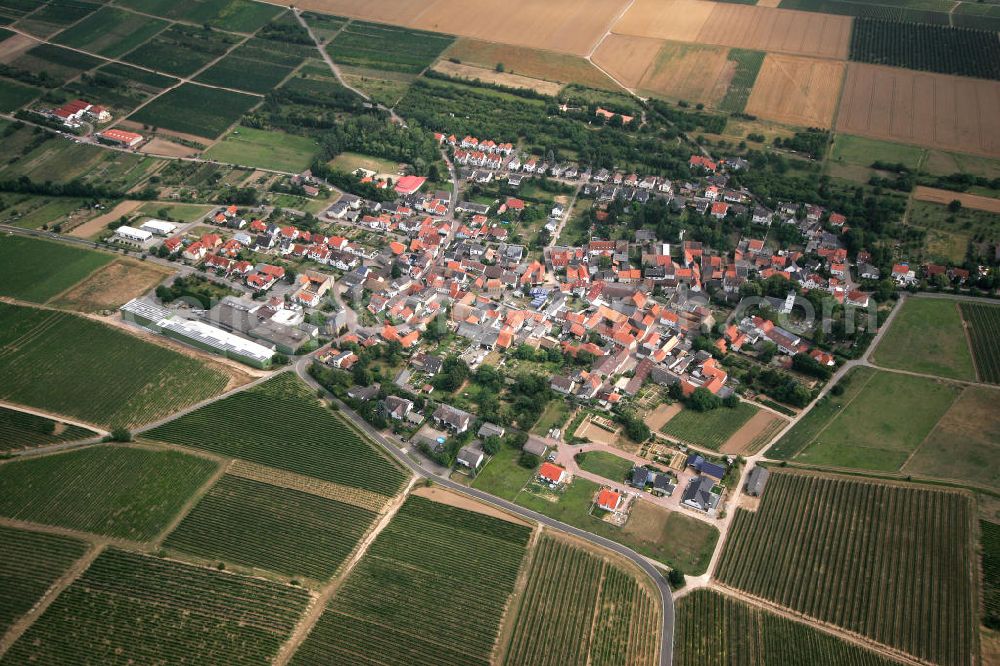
{"x":287,"y":531}
{"x":281,"y":424}
{"x":135,"y":609}
{"x":431,"y":589}
{"x":715,"y":630}
{"x":129,"y":493}
{"x":20,"y":430}
{"x":67,"y":364}
{"x":886,"y":561}
{"x":579,"y":608}
{"x":984,"y":328}
{"x":29,"y":564}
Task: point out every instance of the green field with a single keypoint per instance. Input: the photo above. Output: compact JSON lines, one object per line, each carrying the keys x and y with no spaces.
{"x":265,"y":149}
{"x":927,"y":336}
{"x":880,"y":428}
{"x":990,"y":557}
{"x":29,"y":564}
{"x":431,"y":589}
{"x":181,"y":50}
{"x":181,"y":212}
{"x":379,"y":46}
{"x":121,"y":492}
{"x":713,"y":630}
{"x":886,"y":561}
{"x":984,"y":324}
{"x":502,"y":476}
{"x":111,"y":32}
{"x":604,"y":464}
{"x":579,"y":608}
{"x":858,"y":151}
{"x":281,"y":424}
{"x":36,"y":270}
{"x":748,"y":65}
{"x":195,"y":109}
{"x":36,"y":212}
{"x":234,"y":15}
{"x":59,"y":64}
{"x":136,"y":609}
{"x":67,"y":364}
{"x":709,"y":429}
{"x":21,"y":430}
{"x":54,"y":15}
{"x":554,"y":416}
{"x":15,"y":95}
{"x":287,"y":531}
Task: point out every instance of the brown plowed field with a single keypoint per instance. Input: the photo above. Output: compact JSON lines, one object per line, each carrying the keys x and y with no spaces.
{"x":566,"y":26}
{"x":944,"y":197}
{"x":742,"y":26}
{"x":797,"y":91}
{"x":936,"y":110}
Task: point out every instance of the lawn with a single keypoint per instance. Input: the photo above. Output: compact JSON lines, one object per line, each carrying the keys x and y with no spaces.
{"x":36,"y":270}
{"x":502,"y":476}
{"x":862,"y":152}
{"x":348,"y":162}
{"x":604,"y":464}
{"x":195,"y":109}
{"x":265,"y":149}
{"x":129,"y":493}
{"x":554,"y":416}
{"x":709,"y":429}
{"x":883,"y":424}
{"x":927,"y":336}
{"x":179,"y":212}
{"x":15,"y":95}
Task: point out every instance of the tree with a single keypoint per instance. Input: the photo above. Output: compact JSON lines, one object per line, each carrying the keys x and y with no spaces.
{"x":675,"y":578}
{"x":954,"y":206}
{"x":491,"y":445}
{"x":702,"y":400}
{"x":500,"y":68}
{"x":488,"y":377}
{"x":528,"y":460}
{"x":396,"y":270}
{"x":120,"y":434}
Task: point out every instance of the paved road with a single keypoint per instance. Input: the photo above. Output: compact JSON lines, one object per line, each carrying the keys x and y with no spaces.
{"x":667,"y":634}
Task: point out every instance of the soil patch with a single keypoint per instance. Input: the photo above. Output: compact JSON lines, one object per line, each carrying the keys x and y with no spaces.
{"x":454,"y":499}
{"x":471,"y":73}
{"x":96,"y":225}
{"x":797,"y":91}
{"x":595,"y":433}
{"x":749,"y":434}
{"x":113,"y":285}
{"x":12,"y":47}
{"x":657,"y":418}
{"x":944,"y":197}
{"x":160,"y":146}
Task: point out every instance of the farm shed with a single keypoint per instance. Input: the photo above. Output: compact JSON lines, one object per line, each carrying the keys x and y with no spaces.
{"x":756,"y":481}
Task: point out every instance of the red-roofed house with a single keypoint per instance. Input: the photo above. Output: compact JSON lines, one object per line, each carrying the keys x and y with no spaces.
{"x":552,"y":473}
{"x":409,"y":184}
{"x":609,"y":500}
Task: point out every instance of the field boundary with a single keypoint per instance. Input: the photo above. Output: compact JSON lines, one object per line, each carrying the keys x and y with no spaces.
{"x":191,"y":502}
{"x":359,"y":497}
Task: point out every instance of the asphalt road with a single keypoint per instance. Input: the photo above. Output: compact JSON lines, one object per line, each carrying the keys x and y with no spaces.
{"x":667,"y":633}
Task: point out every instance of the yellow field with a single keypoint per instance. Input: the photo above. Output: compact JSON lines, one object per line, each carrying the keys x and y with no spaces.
{"x":627,"y":58}
{"x":797,"y":91}
{"x":680,"y":20}
{"x":533,"y":63}
{"x":690,"y":72}
{"x":485,"y":75}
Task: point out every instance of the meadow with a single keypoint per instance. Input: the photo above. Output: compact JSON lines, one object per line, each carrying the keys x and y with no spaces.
{"x":265,"y":149}
{"x":122,"y":492}
{"x":386,"y":47}
{"x":111,"y":32}
{"x":255,"y":524}
{"x":419,"y":595}
{"x":927,"y":336}
{"x":984,"y":323}
{"x":281,"y":424}
{"x":714,"y":630}
{"x":194,"y":109}
{"x":886,"y":561}
{"x":709,"y":429}
{"x":604,"y":464}
{"x":36,"y":270}
{"x":70,"y":365}
{"x":31,"y":563}
{"x":579,"y":608}
{"x":129,"y":608}
{"x":21,"y":430}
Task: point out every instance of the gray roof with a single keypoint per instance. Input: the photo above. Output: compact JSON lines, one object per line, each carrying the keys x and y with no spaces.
{"x":535,"y":446}
{"x":469,"y":456}
{"x":699,"y":493}
{"x":491,"y":430}
{"x":756,"y":480}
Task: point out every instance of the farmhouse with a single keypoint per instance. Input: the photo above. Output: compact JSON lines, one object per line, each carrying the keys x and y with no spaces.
{"x":117,"y":137}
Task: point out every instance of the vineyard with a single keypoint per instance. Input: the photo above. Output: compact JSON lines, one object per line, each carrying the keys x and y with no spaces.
{"x":36,"y":270}
{"x":121,"y":492}
{"x":387,"y":47}
{"x":71,"y":365}
{"x":984,"y":327}
{"x":259,"y":525}
{"x":20,"y":430}
{"x":747,"y":67}
{"x":359,"y":497}
{"x":578,"y":608}
{"x":135,"y":609}
{"x":30,"y":563}
{"x":930,"y":48}
{"x":708,"y":429}
{"x":991,"y":573}
{"x":715,"y":630}
{"x":431,"y":589}
{"x":888,"y":562}
{"x":281,"y":424}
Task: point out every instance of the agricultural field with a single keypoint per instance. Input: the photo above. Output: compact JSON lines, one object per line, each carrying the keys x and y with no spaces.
{"x":281,"y":424}
{"x":945,"y":197}
{"x":36,"y":270}
{"x":111,"y":32}
{"x":895,"y":104}
{"x":797,"y":91}
{"x":948,"y":233}
{"x":533,"y":63}
{"x":233,"y":15}
{"x":880,"y":427}
{"x":119,"y":87}
{"x":197,"y":110}
{"x":124,"y":492}
{"x":713,"y":630}
{"x":990,"y":540}
{"x":21,"y":430}
{"x":914,"y":11}
{"x":255,"y":524}
{"x":54,"y":15}
{"x":983,"y":321}
{"x":181,"y":50}
{"x":112,"y":286}
{"x":265,"y":149}
{"x":935,"y":48}
{"x":66,"y":364}
{"x":59,"y":64}
{"x":258,"y":65}
{"x":129,"y":608}
{"x":710,"y":429}
{"x":859,"y":151}
{"x":31,"y":563}
{"x":594,"y":611}
{"x":604,"y":464}
{"x":748,"y":64}
{"x":385,"y":47}
{"x":484,"y":75}
{"x":419,"y":594}
{"x":15,"y":95}
{"x":927,"y":336}
{"x":888,"y":562}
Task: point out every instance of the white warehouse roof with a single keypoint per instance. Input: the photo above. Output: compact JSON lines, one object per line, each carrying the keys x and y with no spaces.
{"x":160,"y":227}
{"x":133,"y":234}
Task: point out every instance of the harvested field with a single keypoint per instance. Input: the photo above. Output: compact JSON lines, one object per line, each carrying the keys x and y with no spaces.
{"x":12,"y":47}
{"x":935,"y":110}
{"x":471,"y":73}
{"x":743,"y":26}
{"x":944,"y":197}
{"x":797,"y":91}
{"x":566,"y":26}
{"x":158,"y":146}
{"x":756,"y":432}
{"x":628,"y":58}
{"x":98,"y":224}
{"x":659,"y":416}
{"x":690,"y":72}
{"x":534,"y":63}
{"x":112,"y":286}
